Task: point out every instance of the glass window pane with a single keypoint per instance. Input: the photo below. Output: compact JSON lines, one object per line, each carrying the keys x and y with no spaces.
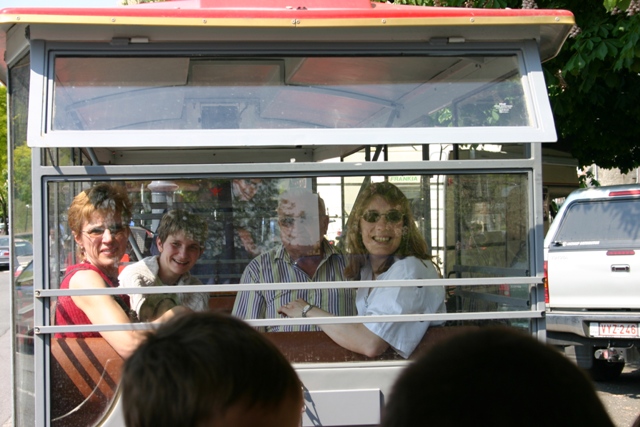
{"x":288,"y":92}
{"x":24,"y":380}
{"x":600,"y":223}
{"x":486,"y":225}
{"x":474,"y":226}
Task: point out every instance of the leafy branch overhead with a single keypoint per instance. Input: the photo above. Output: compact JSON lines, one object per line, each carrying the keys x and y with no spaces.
{"x":594,"y":83}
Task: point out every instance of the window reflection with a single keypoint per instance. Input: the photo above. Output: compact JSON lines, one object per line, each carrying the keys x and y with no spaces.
{"x":475,"y":225}
{"x":288,"y":92}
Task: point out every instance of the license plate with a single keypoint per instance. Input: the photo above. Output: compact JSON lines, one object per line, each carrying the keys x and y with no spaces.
{"x":623,"y":330}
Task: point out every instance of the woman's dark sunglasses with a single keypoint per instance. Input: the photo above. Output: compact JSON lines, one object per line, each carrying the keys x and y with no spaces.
{"x":392,"y":217}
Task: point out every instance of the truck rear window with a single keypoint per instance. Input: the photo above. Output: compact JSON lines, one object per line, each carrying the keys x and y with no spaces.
{"x":600,"y":223}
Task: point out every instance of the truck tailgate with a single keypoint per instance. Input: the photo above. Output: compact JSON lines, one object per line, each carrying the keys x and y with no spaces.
{"x":594,"y":278}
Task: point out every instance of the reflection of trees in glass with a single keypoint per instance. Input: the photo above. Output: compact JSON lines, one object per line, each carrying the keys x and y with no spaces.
{"x":61,"y":195}
{"x":489,"y":221}
{"x":486,"y":226}
{"x":63,"y":157}
{"x":238,"y":230}
{"x":22,"y":173}
{"x":19,"y":79}
{"x":214,"y":194}
{"x":257,"y":213}
{"x":501,"y":104}
{"x":442,"y":117}
{"x":61,"y":245}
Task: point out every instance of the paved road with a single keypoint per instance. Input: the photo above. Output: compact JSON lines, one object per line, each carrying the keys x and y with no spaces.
{"x":621,"y":397}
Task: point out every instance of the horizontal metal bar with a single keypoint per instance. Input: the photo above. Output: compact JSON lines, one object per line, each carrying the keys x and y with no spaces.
{"x":498,"y":315}
{"x":431,"y":167}
{"x":166,"y":138}
{"x":484,"y":281}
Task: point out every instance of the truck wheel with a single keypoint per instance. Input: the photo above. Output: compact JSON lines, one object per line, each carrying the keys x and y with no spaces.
{"x":601,"y":370}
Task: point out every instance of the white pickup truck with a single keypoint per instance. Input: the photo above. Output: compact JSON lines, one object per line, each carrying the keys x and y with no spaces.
{"x":592,"y":278}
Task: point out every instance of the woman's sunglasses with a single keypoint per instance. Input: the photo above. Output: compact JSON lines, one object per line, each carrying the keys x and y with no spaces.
{"x":116,"y":230}
{"x":392,"y":217}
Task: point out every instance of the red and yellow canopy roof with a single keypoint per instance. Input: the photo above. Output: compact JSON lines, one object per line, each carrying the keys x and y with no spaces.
{"x":375,"y":21}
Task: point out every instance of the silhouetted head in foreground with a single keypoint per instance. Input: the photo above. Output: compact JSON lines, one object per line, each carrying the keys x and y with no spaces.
{"x":496,"y":377}
{"x":209,"y":369}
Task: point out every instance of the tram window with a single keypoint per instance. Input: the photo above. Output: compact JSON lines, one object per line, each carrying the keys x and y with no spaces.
{"x":474,"y":224}
{"x":436,"y":90}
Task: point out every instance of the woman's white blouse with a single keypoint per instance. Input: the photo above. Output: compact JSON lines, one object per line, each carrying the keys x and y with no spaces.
{"x":403,"y":337}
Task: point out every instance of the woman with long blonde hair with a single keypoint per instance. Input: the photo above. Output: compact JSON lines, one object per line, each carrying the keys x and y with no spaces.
{"x":383,"y":243}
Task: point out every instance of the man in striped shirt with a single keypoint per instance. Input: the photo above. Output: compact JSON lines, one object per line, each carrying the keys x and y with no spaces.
{"x":304,"y":256}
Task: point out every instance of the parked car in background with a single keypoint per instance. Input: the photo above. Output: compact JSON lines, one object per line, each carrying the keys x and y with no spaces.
{"x":23,"y":252}
{"x":5,"y":252}
{"x":592,"y":278}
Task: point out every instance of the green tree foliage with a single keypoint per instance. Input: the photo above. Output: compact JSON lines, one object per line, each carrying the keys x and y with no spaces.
{"x":594,"y":84}
{"x":595,"y":87}
{"x":588,"y":179}
{"x":630,"y":7}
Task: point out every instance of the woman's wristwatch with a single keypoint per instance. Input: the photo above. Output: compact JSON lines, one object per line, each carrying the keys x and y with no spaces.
{"x":306,"y":309}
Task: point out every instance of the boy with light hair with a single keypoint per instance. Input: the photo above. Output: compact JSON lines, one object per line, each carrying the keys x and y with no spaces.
{"x":180,"y":241}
